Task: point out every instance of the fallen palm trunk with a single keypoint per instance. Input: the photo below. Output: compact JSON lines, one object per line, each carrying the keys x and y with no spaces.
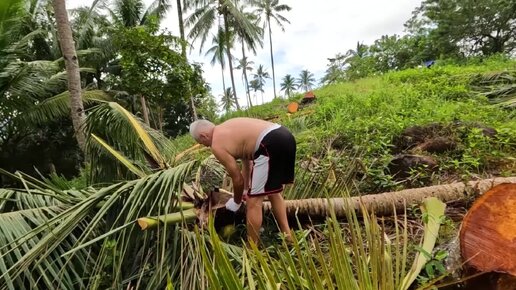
{"x":383,"y":204}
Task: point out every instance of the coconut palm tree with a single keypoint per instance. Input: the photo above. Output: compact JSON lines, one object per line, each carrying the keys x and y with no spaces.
{"x":254,"y":84}
{"x":227,"y":102}
{"x":252,"y":41}
{"x":246,"y":66}
{"x":217,"y":52}
{"x":270,"y":10}
{"x":288,"y":85}
{"x":64,"y":33}
{"x":181,"y":25}
{"x":260,"y":76}
{"x":306,"y":80}
{"x":206,"y":15}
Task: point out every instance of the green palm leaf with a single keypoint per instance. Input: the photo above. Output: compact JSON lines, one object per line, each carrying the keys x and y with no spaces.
{"x":119,"y":157}
{"x":59,"y":106}
{"x":61,"y":244}
{"x":147,"y":148}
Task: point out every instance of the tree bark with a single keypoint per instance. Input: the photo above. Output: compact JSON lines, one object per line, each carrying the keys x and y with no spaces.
{"x":228,"y":51}
{"x":272,"y":58}
{"x":223,"y":81}
{"x":384,"y":204}
{"x":194,"y":110}
{"x":145,"y":111}
{"x":245,"y":77}
{"x":181,"y":28}
{"x":66,"y":42}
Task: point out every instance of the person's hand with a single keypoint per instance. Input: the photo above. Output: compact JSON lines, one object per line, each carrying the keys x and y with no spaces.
{"x":245,"y":195}
{"x":232,"y":205}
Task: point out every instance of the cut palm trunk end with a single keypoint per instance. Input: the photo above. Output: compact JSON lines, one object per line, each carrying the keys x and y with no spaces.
{"x":146,"y":223}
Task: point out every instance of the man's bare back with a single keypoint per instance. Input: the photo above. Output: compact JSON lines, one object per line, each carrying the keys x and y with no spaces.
{"x":238,"y":136}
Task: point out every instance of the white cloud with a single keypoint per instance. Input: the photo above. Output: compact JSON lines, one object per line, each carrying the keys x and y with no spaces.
{"x":317,"y":30}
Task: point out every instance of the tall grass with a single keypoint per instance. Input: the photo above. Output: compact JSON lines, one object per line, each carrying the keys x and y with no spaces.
{"x":360,"y":255}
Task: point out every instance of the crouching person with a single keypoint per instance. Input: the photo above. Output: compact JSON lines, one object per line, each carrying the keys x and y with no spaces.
{"x":267,"y":151}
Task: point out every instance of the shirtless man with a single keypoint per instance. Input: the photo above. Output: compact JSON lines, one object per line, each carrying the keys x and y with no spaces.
{"x":268,"y":153}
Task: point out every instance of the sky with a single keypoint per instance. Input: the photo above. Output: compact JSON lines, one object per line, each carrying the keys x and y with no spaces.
{"x":317,"y":31}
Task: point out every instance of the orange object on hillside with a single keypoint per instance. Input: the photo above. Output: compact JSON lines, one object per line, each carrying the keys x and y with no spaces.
{"x":293,"y":107}
{"x":309,"y":95}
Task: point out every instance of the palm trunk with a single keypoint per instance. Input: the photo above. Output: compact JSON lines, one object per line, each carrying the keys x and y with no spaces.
{"x":228,"y":50}
{"x":245,"y":78}
{"x":183,"y":52}
{"x":272,"y":59}
{"x":145,"y":111}
{"x":384,"y":204}
{"x":72,"y":69}
{"x":181,"y":28}
{"x":194,"y":110}
{"x":223,"y":80}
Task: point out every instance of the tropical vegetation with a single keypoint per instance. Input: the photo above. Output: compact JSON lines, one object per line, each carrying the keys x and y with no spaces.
{"x":101,"y":187}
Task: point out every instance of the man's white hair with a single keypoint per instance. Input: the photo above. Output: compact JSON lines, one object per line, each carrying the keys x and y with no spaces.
{"x":200,"y":126}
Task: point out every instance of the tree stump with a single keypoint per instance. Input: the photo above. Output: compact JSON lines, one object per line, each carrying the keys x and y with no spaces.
{"x":488,"y":231}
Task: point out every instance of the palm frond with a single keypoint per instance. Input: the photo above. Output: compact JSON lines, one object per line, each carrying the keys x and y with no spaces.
{"x":119,"y":157}
{"x":21,"y":78}
{"x":158,"y":9}
{"x":201,"y":22}
{"x":59,"y":107}
{"x":59,"y":246}
{"x":498,"y":88}
{"x":147,"y":148}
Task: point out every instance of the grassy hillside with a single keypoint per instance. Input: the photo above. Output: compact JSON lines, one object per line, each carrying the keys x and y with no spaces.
{"x":354,"y":130}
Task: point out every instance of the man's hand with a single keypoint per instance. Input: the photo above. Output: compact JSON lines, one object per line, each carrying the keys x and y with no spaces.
{"x":232,"y":205}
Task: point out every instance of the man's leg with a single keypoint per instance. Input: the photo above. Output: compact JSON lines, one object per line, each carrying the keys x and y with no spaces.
{"x":280,"y":213}
{"x":254,"y":217}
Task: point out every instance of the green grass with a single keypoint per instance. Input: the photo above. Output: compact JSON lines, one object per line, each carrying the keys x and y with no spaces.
{"x":365,"y":116}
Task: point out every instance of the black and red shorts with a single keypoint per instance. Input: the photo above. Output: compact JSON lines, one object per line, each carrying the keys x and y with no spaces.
{"x":274,"y":161}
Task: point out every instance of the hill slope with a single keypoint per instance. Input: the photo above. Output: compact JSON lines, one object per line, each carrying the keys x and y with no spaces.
{"x":404,"y":129}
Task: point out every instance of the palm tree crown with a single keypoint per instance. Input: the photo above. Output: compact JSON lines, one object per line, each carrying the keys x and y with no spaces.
{"x":259,"y":77}
{"x":206,"y":16}
{"x":246,"y":66}
{"x":217,"y":51}
{"x":306,"y":80}
{"x":132,"y":13}
{"x":227,"y":102}
{"x":288,"y":85}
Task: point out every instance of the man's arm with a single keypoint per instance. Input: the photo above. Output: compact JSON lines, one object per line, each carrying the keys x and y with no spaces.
{"x":231,"y":166}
